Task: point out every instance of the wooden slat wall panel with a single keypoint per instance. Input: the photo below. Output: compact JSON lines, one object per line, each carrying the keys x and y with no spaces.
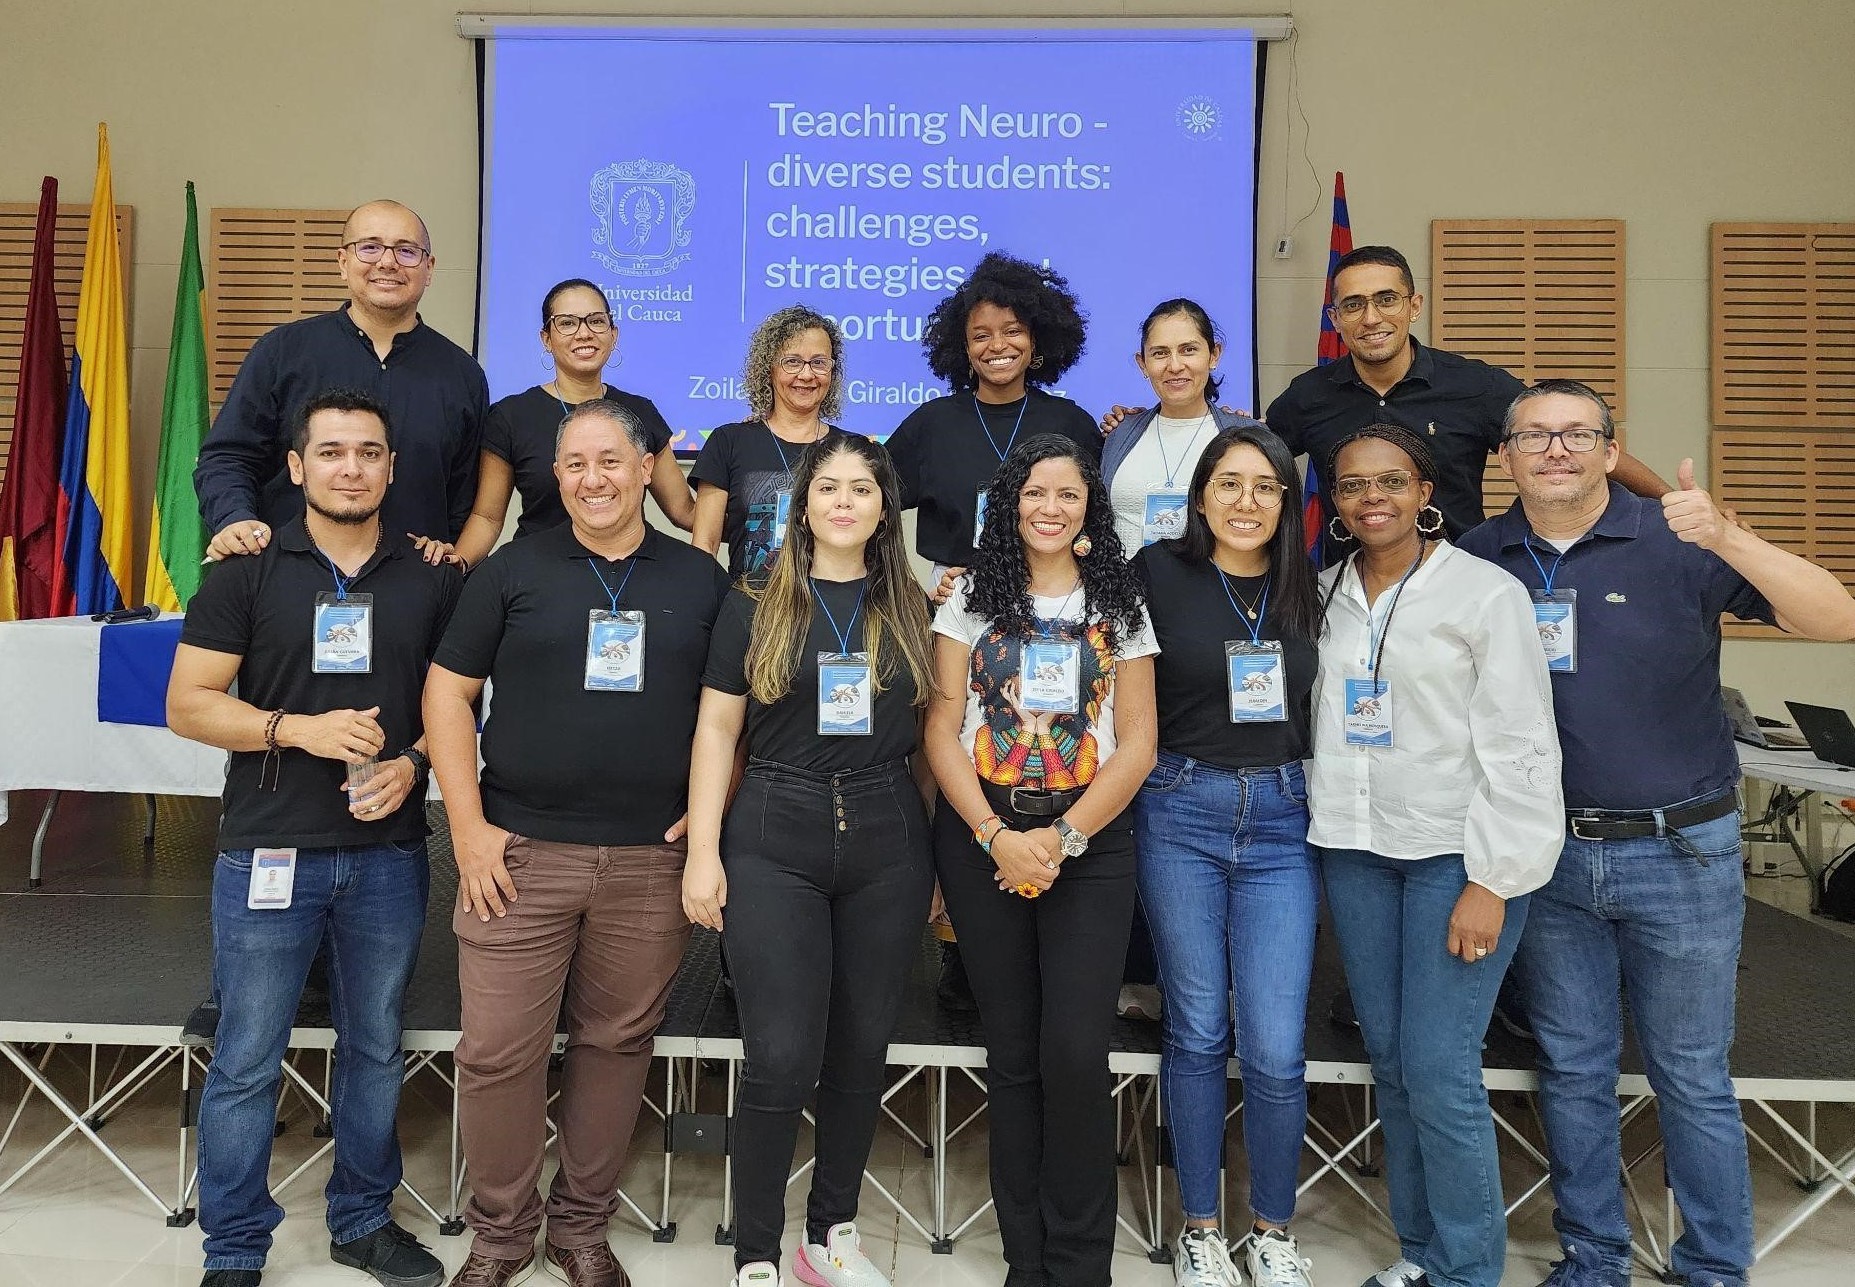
{"x":1797,"y":490}
{"x":265,"y":268}
{"x":18,"y":220}
{"x":1784,"y":325}
{"x":1541,"y":297}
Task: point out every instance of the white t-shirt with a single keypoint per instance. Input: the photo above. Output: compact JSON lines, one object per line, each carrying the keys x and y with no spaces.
{"x":1163,"y":457}
{"x":1084,"y":740}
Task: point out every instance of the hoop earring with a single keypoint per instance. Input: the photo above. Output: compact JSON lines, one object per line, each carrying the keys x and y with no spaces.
{"x":1337,"y":533}
{"x":1435,"y":529}
{"x":1082,"y":547}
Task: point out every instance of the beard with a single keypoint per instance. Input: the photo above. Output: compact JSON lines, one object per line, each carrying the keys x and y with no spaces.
{"x":346,"y":517}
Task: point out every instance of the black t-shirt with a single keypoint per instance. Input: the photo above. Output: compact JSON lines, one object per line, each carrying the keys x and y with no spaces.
{"x":261,"y":608}
{"x":561,"y":763}
{"x":521,"y":429}
{"x":753,"y":465}
{"x":950,"y":447}
{"x":1192,"y":621}
{"x":787,"y":731}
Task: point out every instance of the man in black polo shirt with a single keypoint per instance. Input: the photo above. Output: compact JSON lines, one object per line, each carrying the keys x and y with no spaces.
{"x":570,"y":851}
{"x":375,"y":342}
{"x":328,"y":633}
{"x":1649,"y":892}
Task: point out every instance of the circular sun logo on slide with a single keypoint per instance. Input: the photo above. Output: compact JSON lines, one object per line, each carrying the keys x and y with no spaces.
{"x":1199,"y":117}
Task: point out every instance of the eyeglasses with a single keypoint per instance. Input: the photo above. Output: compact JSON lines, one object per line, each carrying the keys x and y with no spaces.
{"x":1393,"y":482}
{"x":568,"y":323}
{"x":1389,"y":303}
{"x":1266,"y":492}
{"x":792,"y":364}
{"x":370,"y":251}
{"x":1534,"y":441}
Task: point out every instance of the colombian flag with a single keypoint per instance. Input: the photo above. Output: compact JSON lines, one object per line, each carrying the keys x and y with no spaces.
{"x":95,"y":531}
{"x":1332,"y":349}
{"x":177,"y":536}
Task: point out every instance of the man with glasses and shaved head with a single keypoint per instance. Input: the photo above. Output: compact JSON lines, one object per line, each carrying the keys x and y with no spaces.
{"x":375,"y":343}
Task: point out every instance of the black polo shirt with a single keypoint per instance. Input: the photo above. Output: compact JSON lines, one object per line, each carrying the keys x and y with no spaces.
{"x":561,"y":763}
{"x":949,"y":448}
{"x":521,"y":430}
{"x":261,"y":608}
{"x":434,"y":392}
{"x":1641,"y":724}
{"x":1456,"y":404}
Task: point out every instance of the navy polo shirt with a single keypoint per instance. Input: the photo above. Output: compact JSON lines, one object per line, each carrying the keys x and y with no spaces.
{"x":1641,"y":724}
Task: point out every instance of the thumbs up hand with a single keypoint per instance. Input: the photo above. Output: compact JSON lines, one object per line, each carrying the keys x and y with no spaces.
{"x":1690,"y":512}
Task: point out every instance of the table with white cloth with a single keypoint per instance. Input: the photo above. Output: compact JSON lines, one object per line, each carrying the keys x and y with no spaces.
{"x":1799,"y":778}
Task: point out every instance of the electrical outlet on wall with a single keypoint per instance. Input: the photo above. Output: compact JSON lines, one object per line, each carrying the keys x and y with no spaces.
{"x":1285,"y":248}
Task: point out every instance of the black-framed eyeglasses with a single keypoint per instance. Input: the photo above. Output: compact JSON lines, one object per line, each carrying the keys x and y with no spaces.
{"x":1532,"y":442}
{"x":1389,"y":303}
{"x":568,"y":323}
{"x":369,"y":251}
{"x":792,"y":364}
{"x":1393,"y":482}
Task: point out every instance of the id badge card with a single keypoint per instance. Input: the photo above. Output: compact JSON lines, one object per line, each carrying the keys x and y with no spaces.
{"x":1164,"y":516}
{"x":1258,"y":683}
{"x":978,"y":517}
{"x":344,"y":634}
{"x":614,"y":651}
{"x":846,"y":702}
{"x":1050,"y":676}
{"x":273,"y":879}
{"x":782,"y":514}
{"x":1368,"y":711}
{"x":1555,"y":612}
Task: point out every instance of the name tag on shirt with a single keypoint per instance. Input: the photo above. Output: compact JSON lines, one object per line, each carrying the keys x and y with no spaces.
{"x":978,"y":517}
{"x":1555,"y":613}
{"x":1368,"y":711}
{"x":846,"y":700}
{"x":782,"y":514}
{"x":273,"y":879}
{"x":1258,"y":682}
{"x":1050,"y":676}
{"x":614,"y":651}
{"x":1164,"y":517}
{"x":344,"y":634}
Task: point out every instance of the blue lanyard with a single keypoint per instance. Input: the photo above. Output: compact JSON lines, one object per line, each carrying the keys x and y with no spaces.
{"x":780,"y":446}
{"x":1376,"y":630}
{"x":843,"y":635}
{"x":986,"y":429}
{"x":1047,"y":626}
{"x":610,"y":593}
{"x":342,"y":582}
{"x":1160,"y":439}
{"x":1544,"y":575}
{"x":1262,"y":612}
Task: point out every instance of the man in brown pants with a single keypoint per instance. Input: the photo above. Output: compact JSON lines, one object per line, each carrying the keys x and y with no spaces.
{"x":570,"y":851}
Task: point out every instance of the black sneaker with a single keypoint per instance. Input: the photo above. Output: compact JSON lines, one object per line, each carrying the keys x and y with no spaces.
{"x":199,"y":1030}
{"x":954,"y":990}
{"x":231,"y":1277}
{"x":1340,"y":1012}
{"x":394,"y":1257}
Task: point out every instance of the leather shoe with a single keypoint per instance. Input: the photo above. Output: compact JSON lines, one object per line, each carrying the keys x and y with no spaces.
{"x":591,"y":1266}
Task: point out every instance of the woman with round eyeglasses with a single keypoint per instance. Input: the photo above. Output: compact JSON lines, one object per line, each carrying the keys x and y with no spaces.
{"x":795,"y":386}
{"x":1227,"y":882}
{"x":1436,"y":810}
{"x":578,"y":333}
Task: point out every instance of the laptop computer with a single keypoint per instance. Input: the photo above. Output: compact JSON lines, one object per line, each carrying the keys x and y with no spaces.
{"x":1747,"y":728}
{"x":1831,"y":734}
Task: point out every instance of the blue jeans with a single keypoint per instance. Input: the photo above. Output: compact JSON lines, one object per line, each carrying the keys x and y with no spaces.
{"x":1423,"y":1013}
{"x":1230,"y":890}
{"x":1657,"y":920}
{"x":371,"y":904}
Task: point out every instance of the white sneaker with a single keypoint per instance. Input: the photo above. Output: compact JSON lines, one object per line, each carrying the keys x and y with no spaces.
{"x":1202,"y":1259}
{"x":839,"y":1263}
{"x":760,"y":1273}
{"x":1402,"y":1274}
{"x":1274,"y":1259}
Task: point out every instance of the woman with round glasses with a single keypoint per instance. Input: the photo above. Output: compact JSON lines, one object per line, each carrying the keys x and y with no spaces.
{"x":1436,"y":809}
{"x":1227,"y":881}
{"x":795,"y":385}
{"x":578,"y":333}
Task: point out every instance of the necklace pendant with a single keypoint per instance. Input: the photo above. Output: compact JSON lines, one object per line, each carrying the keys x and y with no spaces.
{"x":1252,"y":614}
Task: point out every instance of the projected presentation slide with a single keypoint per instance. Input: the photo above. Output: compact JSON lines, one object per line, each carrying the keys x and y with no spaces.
{"x":705,"y":178}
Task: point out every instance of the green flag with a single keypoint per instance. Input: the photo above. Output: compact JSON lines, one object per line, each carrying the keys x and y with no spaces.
{"x":177,"y":537}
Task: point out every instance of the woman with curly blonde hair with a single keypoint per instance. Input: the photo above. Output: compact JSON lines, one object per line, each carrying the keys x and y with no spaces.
{"x":795,"y":383}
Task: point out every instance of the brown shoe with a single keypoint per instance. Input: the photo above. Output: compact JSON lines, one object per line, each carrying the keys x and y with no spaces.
{"x":593,"y":1266}
{"x":487,"y":1271}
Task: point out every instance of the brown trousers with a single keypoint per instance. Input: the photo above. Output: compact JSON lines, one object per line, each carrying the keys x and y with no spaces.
{"x":605,"y":926}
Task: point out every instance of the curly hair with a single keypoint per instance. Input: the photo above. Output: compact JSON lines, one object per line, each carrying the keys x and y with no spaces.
{"x":775,"y":333}
{"x":1039,"y":297}
{"x":998,"y":583}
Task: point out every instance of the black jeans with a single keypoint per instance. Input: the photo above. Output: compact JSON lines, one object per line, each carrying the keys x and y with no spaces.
{"x":1045,"y":972}
{"x":829,"y":878}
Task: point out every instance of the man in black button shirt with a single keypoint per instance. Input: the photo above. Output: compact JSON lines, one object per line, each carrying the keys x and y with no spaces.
{"x":375,"y":342}
{"x":328,"y":633}
{"x":570,"y":850}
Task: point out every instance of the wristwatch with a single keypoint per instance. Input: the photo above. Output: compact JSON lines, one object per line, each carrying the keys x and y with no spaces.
{"x":421,"y":763}
{"x":1075,"y":843}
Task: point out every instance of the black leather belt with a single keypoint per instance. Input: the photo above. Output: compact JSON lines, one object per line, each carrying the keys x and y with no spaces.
{"x":1031,"y":802}
{"x":1625,"y":824}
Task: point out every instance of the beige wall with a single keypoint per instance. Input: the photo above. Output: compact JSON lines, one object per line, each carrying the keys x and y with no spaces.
{"x":1669,"y":115}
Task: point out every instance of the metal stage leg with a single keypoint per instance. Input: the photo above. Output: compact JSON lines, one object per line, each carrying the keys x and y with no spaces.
{"x":38,"y":841}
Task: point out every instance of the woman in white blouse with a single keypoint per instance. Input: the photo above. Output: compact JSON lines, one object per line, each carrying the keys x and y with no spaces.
{"x":1436,"y":809}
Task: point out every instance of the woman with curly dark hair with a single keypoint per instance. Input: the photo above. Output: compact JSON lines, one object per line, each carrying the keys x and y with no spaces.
{"x":1011,"y":327}
{"x":1041,"y":732}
